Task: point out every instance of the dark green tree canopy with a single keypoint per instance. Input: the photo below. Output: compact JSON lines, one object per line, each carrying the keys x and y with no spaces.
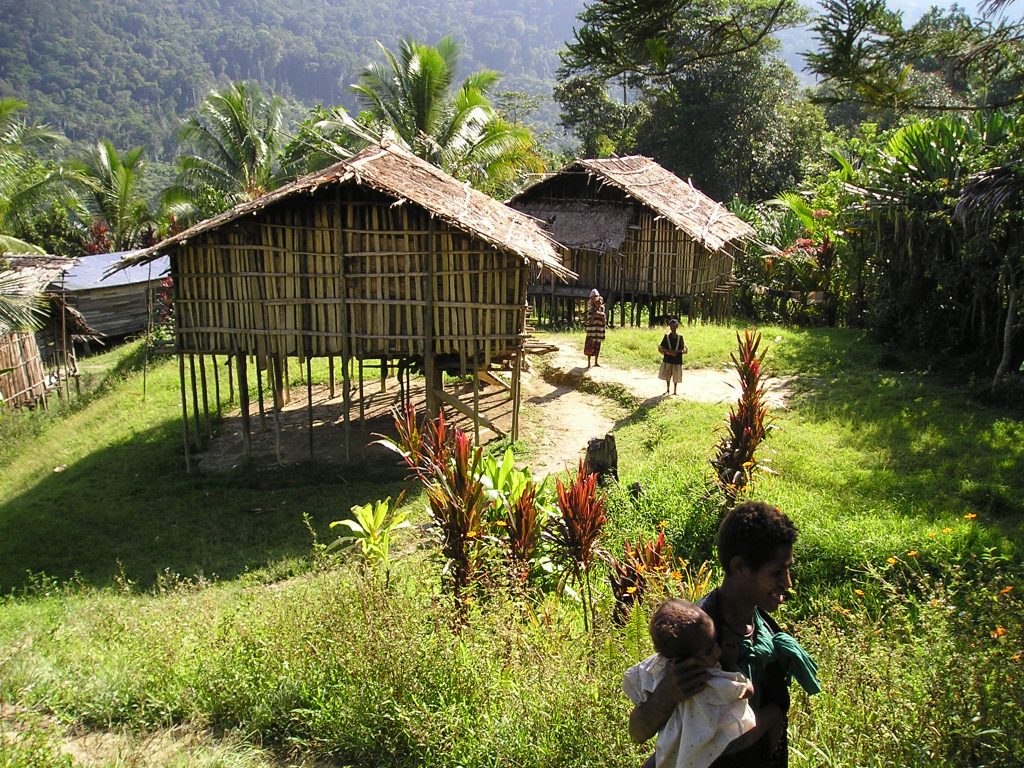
{"x":866,"y":56}
{"x":656,"y":38}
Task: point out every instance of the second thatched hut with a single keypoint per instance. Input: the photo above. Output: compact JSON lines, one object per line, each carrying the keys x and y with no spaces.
{"x":642,"y":236}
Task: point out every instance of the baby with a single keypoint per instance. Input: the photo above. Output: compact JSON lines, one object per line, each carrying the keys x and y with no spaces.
{"x":702,"y":726}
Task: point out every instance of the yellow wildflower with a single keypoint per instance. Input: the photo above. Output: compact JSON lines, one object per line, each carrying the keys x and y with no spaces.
{"x":970,"y":516}
{"x":1006,"y":590}
{"x":912,"y":553}
{"x":947,"y":530}
{"x":998,"y":632}
{"x":1015,"y":657}
{"x":932,"y":535}
{"x":859,"y":592}
{"x":891,"y":560}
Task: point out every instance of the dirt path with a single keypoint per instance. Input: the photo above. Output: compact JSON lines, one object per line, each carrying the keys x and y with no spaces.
{"x":558,"y":419}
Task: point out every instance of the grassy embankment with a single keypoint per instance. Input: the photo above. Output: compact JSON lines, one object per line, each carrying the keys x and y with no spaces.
{"x":907,"y":493}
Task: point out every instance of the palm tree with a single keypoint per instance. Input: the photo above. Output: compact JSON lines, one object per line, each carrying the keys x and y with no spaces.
{"x":110,"y":200}
{"x":236,"y":138}
{"x":409,"y":100}
{"x":25,"y":181}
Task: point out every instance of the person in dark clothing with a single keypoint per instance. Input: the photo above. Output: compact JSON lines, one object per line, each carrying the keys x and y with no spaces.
{"x":755,"y":548}
{"x":672,"y":348}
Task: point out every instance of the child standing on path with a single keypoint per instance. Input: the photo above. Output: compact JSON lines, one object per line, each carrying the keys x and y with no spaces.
{"x":597,"y":318}
{"x":672,"y":348}
{"x":701,"y":727}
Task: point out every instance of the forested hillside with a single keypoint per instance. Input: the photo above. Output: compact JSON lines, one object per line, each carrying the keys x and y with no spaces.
{"x":125,"y":70}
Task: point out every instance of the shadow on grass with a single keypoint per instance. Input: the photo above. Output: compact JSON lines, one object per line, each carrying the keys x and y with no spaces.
{"x":132,"y":509}
{"x":931,"y":445}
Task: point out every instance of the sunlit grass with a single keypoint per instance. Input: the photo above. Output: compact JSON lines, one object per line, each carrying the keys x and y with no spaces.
{"x":906,"y":491}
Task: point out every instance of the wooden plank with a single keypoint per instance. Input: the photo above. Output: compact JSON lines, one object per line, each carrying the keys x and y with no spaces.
{"x":466,"y":411}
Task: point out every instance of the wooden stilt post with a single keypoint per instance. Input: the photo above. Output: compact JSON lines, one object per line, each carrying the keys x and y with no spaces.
{"x":216,"y":385}
{"x":243,"y":402}
{"x":362,"y":403}
{"x":309,"y":402}
{"x":476,"y":406}
{"x":274,"y":376}
{"x":330,"y":373}
{"x":517,"y":367}
{"x":259,"y":394}
{"x":206,"y":398}
{"x":195,"y":400}
{"x":184,"y":412}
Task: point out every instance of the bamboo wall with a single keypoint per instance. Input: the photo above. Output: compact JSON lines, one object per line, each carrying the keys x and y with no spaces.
{"x":25,"y":383}
{"x":348,"y":273}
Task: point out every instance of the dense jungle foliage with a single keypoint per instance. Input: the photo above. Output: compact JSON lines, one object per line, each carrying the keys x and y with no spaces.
{"x":127,"y":71}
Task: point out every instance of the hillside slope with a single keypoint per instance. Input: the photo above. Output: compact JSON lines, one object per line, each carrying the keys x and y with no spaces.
{"x":128,"y":69}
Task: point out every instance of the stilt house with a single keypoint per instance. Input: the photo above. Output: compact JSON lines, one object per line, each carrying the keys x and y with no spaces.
{"x":640,"y":235}
{"x":382,"y":257}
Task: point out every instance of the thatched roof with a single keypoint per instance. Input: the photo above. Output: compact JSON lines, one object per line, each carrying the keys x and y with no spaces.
{"x":593,"y":226}
{"x":395,"y":171}
{"x":44,"y":276}
{"x":662,"y":191}
{"x":35,"y":273}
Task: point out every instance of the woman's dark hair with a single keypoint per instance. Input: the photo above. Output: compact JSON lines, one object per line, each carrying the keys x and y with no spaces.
{"x":755,"y":531}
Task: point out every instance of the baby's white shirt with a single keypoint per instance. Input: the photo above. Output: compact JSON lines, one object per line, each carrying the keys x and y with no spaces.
{"x":700,"y":728}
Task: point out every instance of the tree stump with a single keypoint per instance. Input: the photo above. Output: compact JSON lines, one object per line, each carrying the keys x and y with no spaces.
{"x":603,"y":458}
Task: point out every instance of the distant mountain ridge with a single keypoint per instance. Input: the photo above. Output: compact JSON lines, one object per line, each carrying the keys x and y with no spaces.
{"x":127,"y":70}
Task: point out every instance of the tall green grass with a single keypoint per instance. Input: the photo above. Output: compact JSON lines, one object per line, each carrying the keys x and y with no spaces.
{"x":905,"y":488}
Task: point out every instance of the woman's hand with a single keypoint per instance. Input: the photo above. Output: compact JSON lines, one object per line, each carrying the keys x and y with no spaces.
{"x":682,"y":680}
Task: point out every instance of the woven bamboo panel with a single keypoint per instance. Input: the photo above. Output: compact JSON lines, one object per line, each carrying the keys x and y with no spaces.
{"x":348,"y":271}
{"x":24,"y":383}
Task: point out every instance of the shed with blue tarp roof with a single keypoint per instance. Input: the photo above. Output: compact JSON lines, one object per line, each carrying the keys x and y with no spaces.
{"x":117,"y":304}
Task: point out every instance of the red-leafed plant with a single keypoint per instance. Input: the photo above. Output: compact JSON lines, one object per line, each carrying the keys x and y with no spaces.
{"x":524,"y":524}
{"x":575,"y":533}
{"x":643,"y":562}
{"x":444,"y":460}
{"x":748,"y":423}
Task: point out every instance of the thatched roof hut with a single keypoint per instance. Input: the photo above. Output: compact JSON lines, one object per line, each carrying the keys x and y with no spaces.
{"x":381,"y":257}
{"x":34,"y":362}
{"x":639,"y":233}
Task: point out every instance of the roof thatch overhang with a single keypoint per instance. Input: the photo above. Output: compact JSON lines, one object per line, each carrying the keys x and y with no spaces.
{"x":398,"y":173}
{"x":35,"y":273}
{"x":705,"y":220}
{"x":44,"y":276}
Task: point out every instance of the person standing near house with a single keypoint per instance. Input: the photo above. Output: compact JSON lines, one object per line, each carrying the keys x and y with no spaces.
{"x":596,"y":321}
{"x":672,"y":348}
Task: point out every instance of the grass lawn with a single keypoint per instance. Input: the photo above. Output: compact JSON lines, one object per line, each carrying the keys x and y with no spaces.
{"x":197,"y":601}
